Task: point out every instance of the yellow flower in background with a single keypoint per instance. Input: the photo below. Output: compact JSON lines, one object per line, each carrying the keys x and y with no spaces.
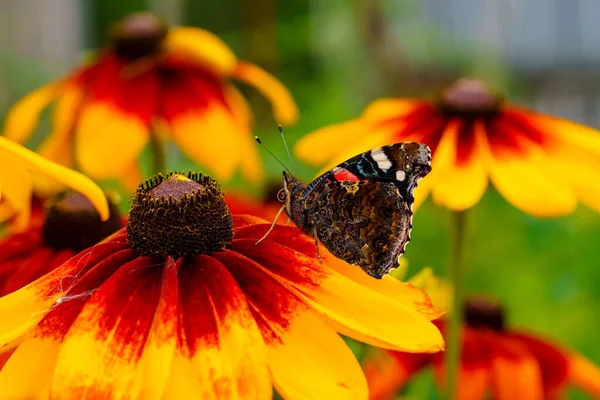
{"x":183,"y":304}
{"x":152,"y":79}
{"x":17,"y":165}
{"x":541,"y":164}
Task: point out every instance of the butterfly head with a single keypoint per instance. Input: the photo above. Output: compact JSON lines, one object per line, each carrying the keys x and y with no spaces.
{"x":284,"y":195}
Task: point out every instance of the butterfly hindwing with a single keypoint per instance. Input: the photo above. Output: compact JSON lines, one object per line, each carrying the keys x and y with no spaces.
{"x":363,"y":223}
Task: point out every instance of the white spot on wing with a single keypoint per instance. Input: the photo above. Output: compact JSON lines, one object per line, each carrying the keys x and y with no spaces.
{"x":400,"y":175}
{"x":382,"y":160}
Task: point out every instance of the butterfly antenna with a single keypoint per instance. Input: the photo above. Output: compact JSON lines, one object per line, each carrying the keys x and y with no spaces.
{"x":287,"y":149}
{"x":272,"y":155}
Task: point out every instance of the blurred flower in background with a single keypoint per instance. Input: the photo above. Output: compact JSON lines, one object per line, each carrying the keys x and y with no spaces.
{"x":540,"y":164}
{"x":184,"y":304}
{"x":151,"y":81}
{"x":69,"y":225}
{"x":506,"y":363}
{"x":17,"y":167}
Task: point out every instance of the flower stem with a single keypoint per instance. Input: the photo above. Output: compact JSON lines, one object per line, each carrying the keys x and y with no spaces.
{"x":158,"y":154}
{"x":453,"y":337}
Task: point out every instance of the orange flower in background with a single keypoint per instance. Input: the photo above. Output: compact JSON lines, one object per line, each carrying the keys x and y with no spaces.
{"x":184,"y":304}
{"x":541,"y":164}
{"x":18,"y":166}
{"x":149,"y":79}
{"x":504,"y":362}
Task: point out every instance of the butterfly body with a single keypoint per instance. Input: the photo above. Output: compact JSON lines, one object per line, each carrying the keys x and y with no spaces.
{"x":361,"y":209}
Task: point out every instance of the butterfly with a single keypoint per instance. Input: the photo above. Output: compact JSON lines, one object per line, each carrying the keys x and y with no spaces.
{"x":361,"y":210}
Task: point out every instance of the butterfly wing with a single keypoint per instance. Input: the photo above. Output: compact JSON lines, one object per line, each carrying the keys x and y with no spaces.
{"x":402,"y":164}
{"x":362,"y":209}
{"x":363,"y":223}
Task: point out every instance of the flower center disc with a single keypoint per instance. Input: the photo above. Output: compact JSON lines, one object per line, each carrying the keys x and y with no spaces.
{"x":72,"y":222}
{"x":469,"y":97}
{"x":481,"y":312}
{"x":138,"y":35}
{"x":177,"y":215}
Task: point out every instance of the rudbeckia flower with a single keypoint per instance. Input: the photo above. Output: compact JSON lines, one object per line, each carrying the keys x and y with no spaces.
{"x":68,"y":225}
{"x":18,"y":166}
{"x":153,"y":80}
{"x":183,"y":303}
{"x":541,"y":164}
{"x":505,"y":363}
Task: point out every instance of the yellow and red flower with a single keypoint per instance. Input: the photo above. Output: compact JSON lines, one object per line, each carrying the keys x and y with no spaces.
{"x":506,"y":363}
{"x":184,"y":304}
{"x":69,"y":225}
{"x":541,"y":164}
{"x":153,"y":80}
{"x":18,"y":168}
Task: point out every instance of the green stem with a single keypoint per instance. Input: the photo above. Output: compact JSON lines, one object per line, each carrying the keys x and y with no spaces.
{"x":453,"y":337}
{"x":158,"y":154}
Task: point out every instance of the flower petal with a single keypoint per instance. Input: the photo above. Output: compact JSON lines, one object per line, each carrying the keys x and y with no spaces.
{"x":210,"y":138}
{"x":580,"y":151}
{"x":46,"y":338}
{"x":516,"y":373}
{"x":100,"y":355}
{"x":388,"y":286}
{"x":218,"y":336}
{"x":58,"y":146}
{"x":72,"y":179}
{"x":202,"y":47}
{"x":22,"y":310}
{"x":553,"y":363}
{"x":388,"y":372}
{"x":475,"y":372}
{"x":16,"y":192}
{"x":204,"y":127}
{"x":329,"y":146}
{"x":162,"y":340}
{"x":24,"y":116}
{"x":354,"y":310}
{"x":461,"y":179}
{"x":120,"y":108}
{"x":584,"y":374}
{"x":284,"y":107}
{"x":531,"y":181}
{"x":20,"y":378}
{"x":297,"y":339}
{"x":392,"y":108}
{"x":329,"y":368}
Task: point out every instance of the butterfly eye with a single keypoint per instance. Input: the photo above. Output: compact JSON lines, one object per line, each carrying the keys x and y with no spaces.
{"x":408,"y":167}
{"x":281,"y":195}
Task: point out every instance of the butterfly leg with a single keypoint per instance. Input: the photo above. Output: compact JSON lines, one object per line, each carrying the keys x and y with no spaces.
{"x":317,"y":244}
{"x":272,"y":225}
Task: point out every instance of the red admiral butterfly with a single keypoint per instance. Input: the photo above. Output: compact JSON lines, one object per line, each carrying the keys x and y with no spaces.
{"x":361,"y":210}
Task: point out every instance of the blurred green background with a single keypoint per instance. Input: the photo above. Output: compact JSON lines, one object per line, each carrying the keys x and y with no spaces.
{"x":336,"y":56}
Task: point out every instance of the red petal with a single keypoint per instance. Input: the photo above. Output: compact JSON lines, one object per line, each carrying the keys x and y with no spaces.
{"x":100,"y":353}
{"x":552,"y":361}
{"x":220,"y":352}
{"x":185,"y":92}
{"x":424,"y":125}
{"x":132,"y":92}
{"x":272,"y":305}
{"x":76,"y":291}
{"x":388,"y":372}
{"x":279,"y":260}
{"x":288,"y":235}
